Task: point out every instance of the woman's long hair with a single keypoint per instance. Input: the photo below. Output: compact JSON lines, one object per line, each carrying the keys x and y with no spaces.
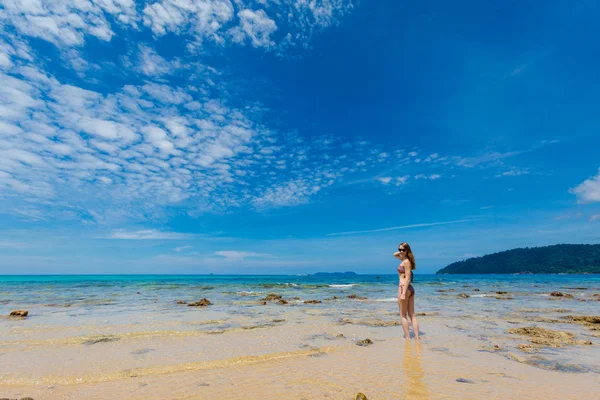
{"x":409,"y":254}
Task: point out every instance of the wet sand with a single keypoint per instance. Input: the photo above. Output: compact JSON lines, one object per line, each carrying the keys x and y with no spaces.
{"x":286,"y":352}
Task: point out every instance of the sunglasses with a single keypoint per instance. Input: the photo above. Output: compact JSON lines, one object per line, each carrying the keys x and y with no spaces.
{"x":403,"y":250}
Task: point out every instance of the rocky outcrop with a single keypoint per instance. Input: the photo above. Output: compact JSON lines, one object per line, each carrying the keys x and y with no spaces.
{"x":561,"y":294}
{"x":202,"y":303}
{"x":272,"y":297}
{"x":364,"y":342}
{"x":19,"y":313}
{"x":547,"y":337}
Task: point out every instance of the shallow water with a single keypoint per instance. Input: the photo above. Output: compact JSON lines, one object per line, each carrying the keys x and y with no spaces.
{"x":109,"y":328}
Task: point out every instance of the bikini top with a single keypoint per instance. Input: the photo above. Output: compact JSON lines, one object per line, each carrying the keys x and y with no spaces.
{"x":401,"y":270}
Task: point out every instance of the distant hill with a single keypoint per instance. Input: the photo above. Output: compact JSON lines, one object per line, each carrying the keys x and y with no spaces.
{"x":334,"y":274}
{"x":560,"y":258}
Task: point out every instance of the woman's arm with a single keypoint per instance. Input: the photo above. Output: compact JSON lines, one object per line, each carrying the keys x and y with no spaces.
{"x":397,"y":255}
{"x":407,"y":273}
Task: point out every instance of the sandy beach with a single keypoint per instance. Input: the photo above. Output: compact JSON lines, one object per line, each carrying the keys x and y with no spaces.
{"x":245,"y":349}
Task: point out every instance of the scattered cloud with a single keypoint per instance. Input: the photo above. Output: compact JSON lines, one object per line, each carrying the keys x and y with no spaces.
{"x":255,"y":26}
{"x":595,"y":217}
{"x":431,"y":177}
{"x":232,"y":255}
{"x":514,"y":172}
{"x":150,"y":63}
{"x":183,"y":248}
{"x":401,"y":227}
{"x":589,"y":190}
{"x":150,"y":234}
{"x":487,"y":159}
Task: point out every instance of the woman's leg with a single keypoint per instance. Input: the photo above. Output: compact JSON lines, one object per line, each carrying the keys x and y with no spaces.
{"x":403,"y":306}
{"x":411,"y":313}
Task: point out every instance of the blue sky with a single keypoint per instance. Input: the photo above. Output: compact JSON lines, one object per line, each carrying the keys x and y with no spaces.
{"x":293,"y":136}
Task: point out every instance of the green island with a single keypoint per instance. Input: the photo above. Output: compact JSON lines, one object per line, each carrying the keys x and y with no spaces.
{"x":555,"y":259}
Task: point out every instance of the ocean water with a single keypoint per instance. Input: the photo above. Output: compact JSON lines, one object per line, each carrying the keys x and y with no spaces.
{"x":121,"y":293}
{"x":60,"y":306}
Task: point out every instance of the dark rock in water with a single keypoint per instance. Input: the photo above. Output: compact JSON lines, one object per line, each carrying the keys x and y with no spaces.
{"x":340,"y":335}
{"x":181,"y":302}
{"x":499,"y":292}
{"x":202,"y":303}
{"x":264,"y":303}
{"x":19,"y":313}
{"x":296,"y":298}
{"x":463,"y":380}
{"x":282,"y":302}
{"x":463,"y":296}
{"x":561,"y":294}
{"x":312,"y":301}
{"x":352,"y":296}
{"x":278,"y":320}
{"x":335,"y":297}
{"x":583,"y":319}
{"x":272,"y":296}
{"x":137,"y":292}
{"x":360,"y":396}
{"x":364,"y":342}
{"x":476,"y":290}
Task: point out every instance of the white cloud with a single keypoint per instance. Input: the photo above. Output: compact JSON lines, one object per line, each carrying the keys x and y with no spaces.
{"x":203,"y":19}
{"x":256,"y":26}
{"x":429,"y":177}
{"x":67,"y":22}
{"x":152,"y":64}
{"x":589,"y":190}
{"x":182,"y":248}
{"x":70,"y":23}
{"x":289,"y":193}
{"x":487,"y":159}
{"x":148,"y":234}
{"x":514,"y":172}
{"x":385,"y":180}
{"x":401,"y":180}
{"x":233,"y":256}
{"x":595,"y":217}
{"x":154,"y":146}
{"x":393,"y":228}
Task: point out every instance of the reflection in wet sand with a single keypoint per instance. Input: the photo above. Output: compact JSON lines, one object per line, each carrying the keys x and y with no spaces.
{"x":415,"y":384}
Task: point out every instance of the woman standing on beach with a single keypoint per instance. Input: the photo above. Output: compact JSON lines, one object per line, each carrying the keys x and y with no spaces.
{"x":406,"y":293}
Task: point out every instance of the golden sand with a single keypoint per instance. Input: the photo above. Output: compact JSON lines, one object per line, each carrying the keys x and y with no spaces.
{"x":302,"y":356}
